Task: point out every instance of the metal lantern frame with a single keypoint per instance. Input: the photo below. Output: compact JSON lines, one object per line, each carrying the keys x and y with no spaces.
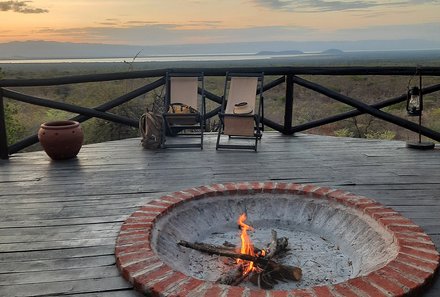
{"x":416,"y":93}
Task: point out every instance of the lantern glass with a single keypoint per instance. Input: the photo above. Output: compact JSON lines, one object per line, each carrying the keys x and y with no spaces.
{"x":413,"y":105}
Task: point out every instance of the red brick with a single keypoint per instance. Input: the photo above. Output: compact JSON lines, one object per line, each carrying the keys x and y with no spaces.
{"x":181,"y":195}
{"x":322,"y":192}
{"x":187,"y":289}
{"x":344,"y":290}
{"x":159,"y":203}
{"x":130,"y":240}
{"x":364,"y":206}
{"x":219,"y":189}
{"x":141,"y":281}
{"x":257,"y":293}
{"x":378,"y":210}
{"x":269,"y":187}
{"x":141,"y":245}
{"x":171,"y":199}
{"x":281,"y":188}
{"x":363,"y":286}
{"x":359,"y":202}
{"x":207,"y":191}
{"x":322,"y":291}
{"x":405,"y":228}
{"x":130,"y":270}
{"x":408,"y":270}
{"x":295,"y":188}
{"x":385,"y":284}
{"x":141,"y":226}
{"x":420,"y":254}
{"x":140,"y":220}
{"x":213,"y":291}
{"x":302,"y":293}
{"x":381,"y":213}
{"x":337,"y":194}
{"x":195,"y":193}
{"x":256,"y":187}
{"x":309,"y":189}
{"x":243,"y":188}
{"x":140,"y":213}
{"x":275,"y":293}
{"x":424,"y":265}
{"x":132,"y":232}
{"x":231,"y":188}
{"x":150,"y":209}
{"x":388,"y":272}
{"x":139,"y":255}
{"x":234,"y":291}
{"x":167,"y":283}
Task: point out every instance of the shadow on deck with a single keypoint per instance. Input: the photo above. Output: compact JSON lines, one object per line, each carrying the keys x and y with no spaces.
{"x":59,"y":220}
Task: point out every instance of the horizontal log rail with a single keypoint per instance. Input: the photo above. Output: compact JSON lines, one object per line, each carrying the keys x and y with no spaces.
{"x":287,"y":75}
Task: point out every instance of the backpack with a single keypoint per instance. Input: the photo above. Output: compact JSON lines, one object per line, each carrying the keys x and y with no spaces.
{"x":150,"y":126}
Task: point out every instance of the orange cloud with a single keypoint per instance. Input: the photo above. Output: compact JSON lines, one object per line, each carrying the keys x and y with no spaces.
{"x":20,"y":7}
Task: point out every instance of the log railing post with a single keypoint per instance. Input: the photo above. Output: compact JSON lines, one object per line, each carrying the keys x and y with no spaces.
{"x":3,"y":137}
{"x":289,"y":105}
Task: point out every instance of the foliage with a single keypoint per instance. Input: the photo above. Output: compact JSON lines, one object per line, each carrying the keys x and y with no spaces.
{"x":385,"y":135}
{"x":344,"y":132}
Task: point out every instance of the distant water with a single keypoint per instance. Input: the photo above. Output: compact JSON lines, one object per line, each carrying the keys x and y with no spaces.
{"x":231,"y":57}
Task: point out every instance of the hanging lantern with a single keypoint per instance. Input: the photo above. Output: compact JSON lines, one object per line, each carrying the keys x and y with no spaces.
{"x":414,"y":103}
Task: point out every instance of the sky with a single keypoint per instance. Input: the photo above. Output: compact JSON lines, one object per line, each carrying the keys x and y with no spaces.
{"x":164,"y":22}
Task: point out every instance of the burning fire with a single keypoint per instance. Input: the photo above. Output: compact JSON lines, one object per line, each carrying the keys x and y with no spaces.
{"x":246,"y":245}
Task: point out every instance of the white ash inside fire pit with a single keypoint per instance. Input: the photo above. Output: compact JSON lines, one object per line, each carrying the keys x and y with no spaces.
{"x":329,"y":242}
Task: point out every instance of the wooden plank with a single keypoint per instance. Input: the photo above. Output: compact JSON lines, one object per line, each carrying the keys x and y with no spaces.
{"x":93,"y":285}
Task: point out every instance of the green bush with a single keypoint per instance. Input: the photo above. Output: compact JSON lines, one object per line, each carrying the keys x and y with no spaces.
{"x":344,"y":132}
{"x":385,"y":135}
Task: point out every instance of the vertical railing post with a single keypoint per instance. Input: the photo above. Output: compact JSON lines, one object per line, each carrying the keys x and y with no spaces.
{"x":289,"y":105}
{"x":3,"y":137}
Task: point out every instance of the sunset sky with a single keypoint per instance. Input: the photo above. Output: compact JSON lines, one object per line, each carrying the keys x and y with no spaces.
{"x":155,"y":22}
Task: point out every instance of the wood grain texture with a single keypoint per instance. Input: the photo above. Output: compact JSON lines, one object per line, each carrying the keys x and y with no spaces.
{"x":59,"y":220}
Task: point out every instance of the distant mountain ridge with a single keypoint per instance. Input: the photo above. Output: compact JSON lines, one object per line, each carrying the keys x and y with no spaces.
{"x":56,"y":50}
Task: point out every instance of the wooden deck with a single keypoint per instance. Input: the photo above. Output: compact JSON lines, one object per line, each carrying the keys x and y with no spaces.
{"x":59,"y":220}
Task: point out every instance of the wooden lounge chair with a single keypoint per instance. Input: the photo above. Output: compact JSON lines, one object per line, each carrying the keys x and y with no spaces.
{"x":241,"y":112}
{"x":184,"y":113}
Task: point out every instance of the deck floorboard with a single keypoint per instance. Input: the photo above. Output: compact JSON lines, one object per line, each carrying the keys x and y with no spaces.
{"x":59,"y":220}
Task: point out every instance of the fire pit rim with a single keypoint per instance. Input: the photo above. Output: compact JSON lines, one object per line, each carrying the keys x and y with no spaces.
{"x":416,"y":263}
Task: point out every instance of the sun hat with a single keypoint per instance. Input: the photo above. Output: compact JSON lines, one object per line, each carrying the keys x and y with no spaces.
{"x":242,"y":108}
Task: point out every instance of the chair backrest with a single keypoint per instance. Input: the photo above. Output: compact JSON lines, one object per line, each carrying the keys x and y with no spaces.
{"x":184,"y":90}
{"x":242,"y":89}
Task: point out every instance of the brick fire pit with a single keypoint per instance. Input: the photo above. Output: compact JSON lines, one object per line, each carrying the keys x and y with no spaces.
{"x":384,"y":253}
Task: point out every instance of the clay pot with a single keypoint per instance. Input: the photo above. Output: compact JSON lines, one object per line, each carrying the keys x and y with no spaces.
{"x":61,"y":139}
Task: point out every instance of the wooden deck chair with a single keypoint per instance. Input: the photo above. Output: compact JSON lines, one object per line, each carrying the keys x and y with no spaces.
{"x":184,"y":113}
{"x":241,"y":112}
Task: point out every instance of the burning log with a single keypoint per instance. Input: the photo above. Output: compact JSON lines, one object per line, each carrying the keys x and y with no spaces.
{"x":220,"y":251}
{"x":270,"y":268}
{"x":231,"y":277}
{"x":258,"y":265}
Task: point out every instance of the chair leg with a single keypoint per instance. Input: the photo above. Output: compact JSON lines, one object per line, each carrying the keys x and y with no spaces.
{"x":201,"y":136}
{"x":218,"y":137}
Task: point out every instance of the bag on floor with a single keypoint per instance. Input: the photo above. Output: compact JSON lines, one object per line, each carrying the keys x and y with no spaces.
{"x":150,"y":126}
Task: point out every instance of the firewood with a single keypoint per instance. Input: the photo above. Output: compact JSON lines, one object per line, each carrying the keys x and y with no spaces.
{"x":231,"y":276}
{"x":287,"y":271}
{"x":282,"y":272}
{"x":277,"y":245}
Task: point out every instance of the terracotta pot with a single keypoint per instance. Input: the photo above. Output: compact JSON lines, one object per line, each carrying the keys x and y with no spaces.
{"x":61,"y":139}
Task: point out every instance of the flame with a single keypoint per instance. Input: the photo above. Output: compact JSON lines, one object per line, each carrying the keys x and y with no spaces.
{"x":246,"y":244}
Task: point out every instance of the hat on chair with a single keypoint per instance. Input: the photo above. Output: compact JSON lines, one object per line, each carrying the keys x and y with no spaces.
{"x":242,"y":108}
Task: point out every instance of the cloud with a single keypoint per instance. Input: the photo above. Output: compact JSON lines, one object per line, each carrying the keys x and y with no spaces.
{"x":157,"y":34}
{"x":328,"y":6}
{"x":20,"y":7}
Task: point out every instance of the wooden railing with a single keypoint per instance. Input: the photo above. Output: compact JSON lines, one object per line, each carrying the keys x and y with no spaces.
{"x":288,"y":76}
